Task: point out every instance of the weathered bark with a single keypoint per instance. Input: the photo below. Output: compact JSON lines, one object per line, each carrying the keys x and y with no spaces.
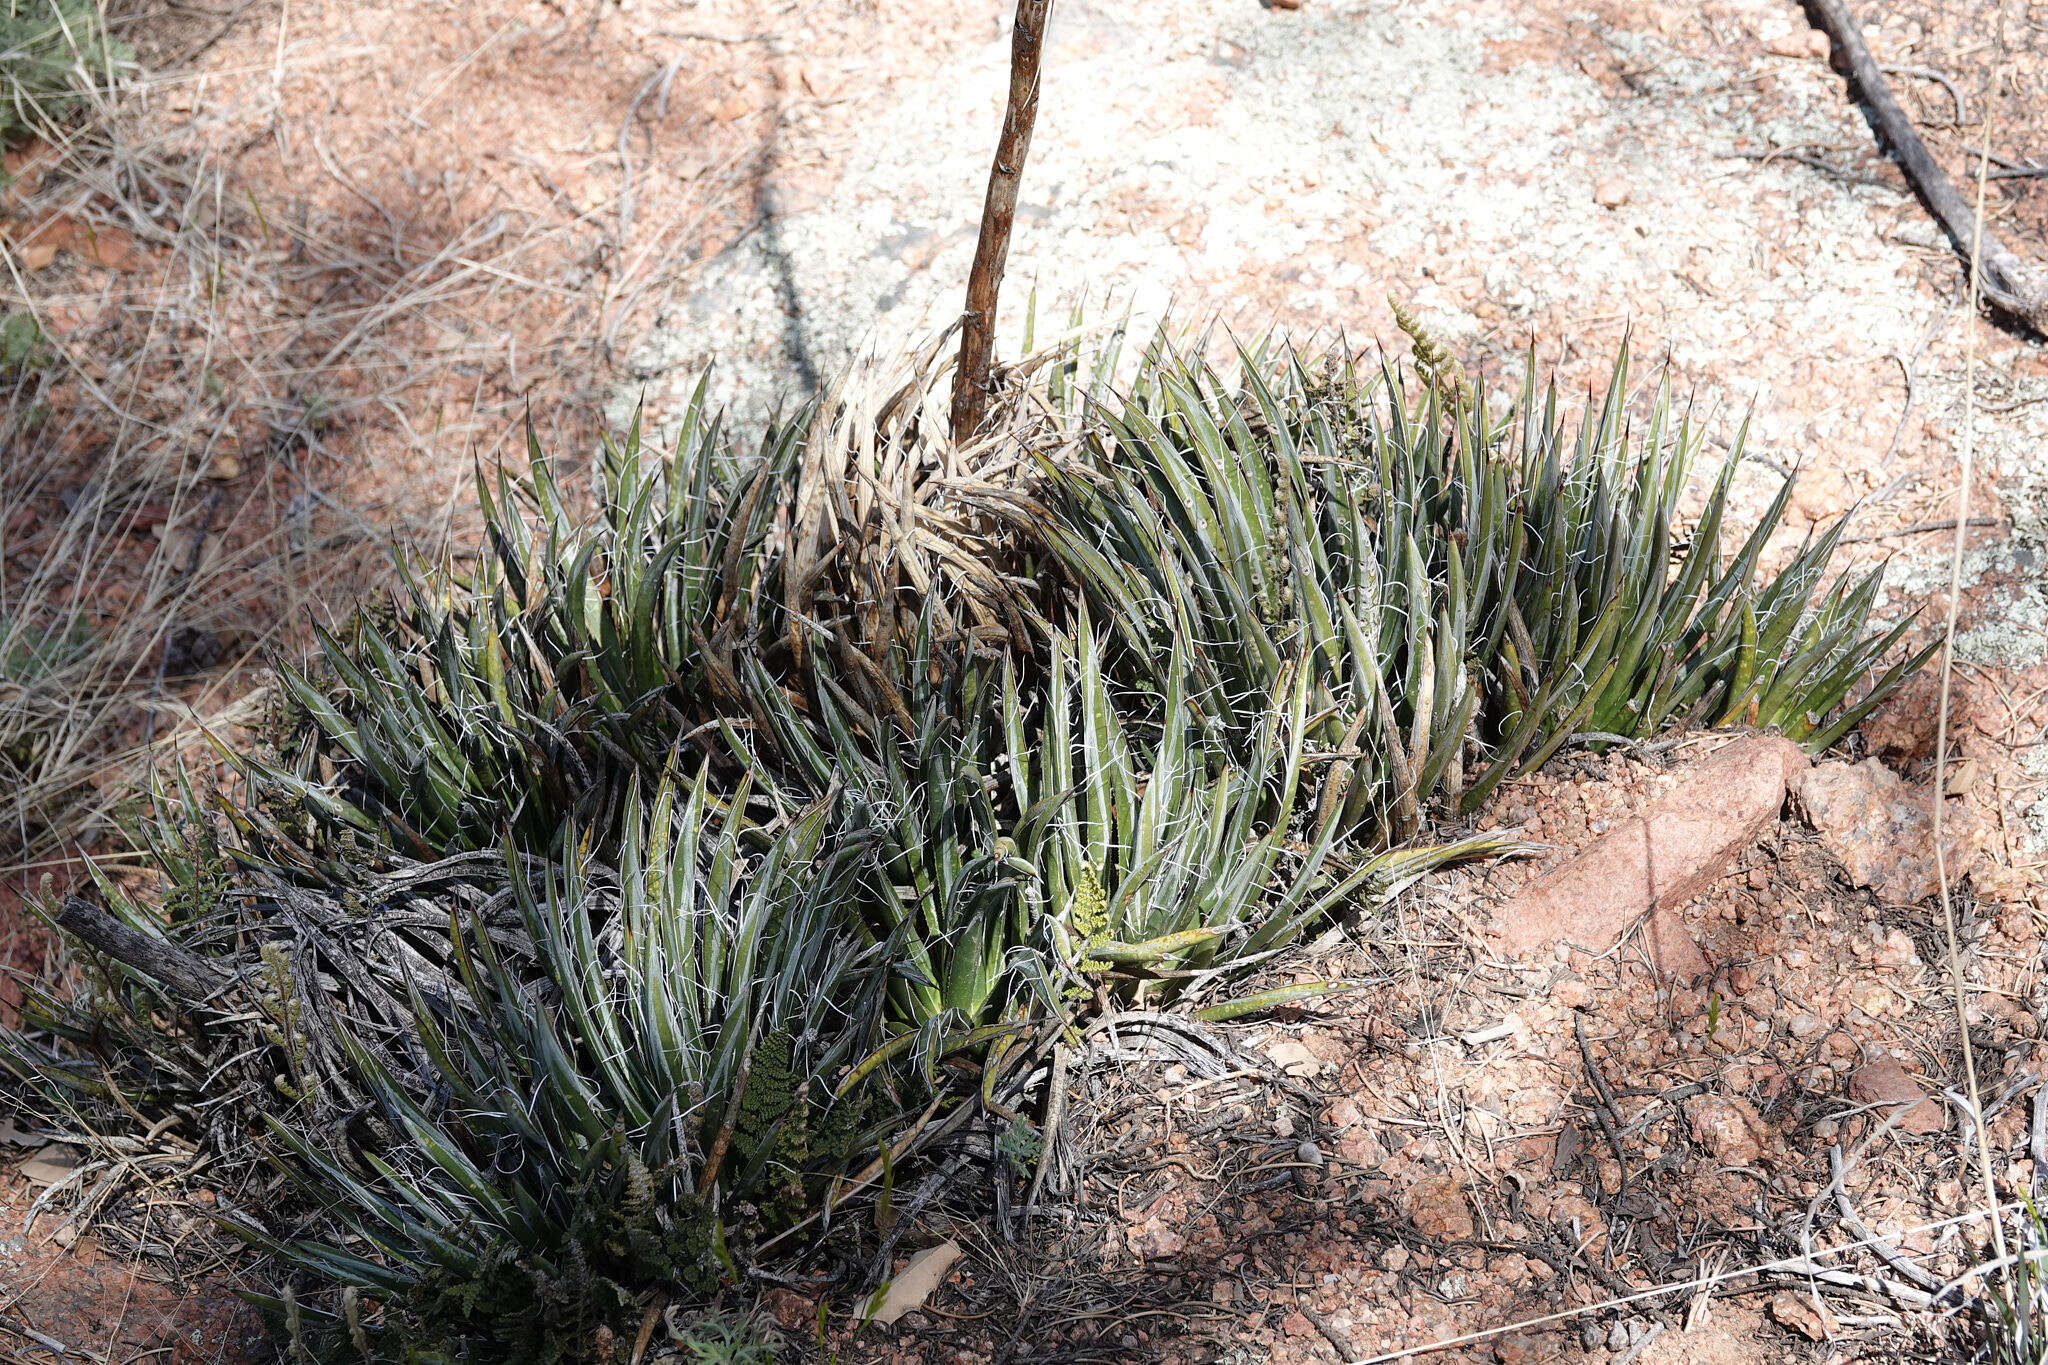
{"x":2005,"y":279}
{"x":193,"y":979}
{"x":998,"y":214}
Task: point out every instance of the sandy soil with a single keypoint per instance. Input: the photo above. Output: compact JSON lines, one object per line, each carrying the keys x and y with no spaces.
{"x":428,"y":220}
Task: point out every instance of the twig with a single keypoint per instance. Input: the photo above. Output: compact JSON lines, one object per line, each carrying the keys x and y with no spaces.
{"x":1345,"y":1351}
{"x":1604,"y":1108}
{"x":1909,"y":365}
{"x":715,"y":1156}
{"x":2015,"y":285}
{"x":1870,"y":1239}
{"x":1819,"y":163}
{"x":1928,"y":73}
{"x":1917,"y":528}
{"x":1806,"y":1266}
{"x":1642,"y":1344}
{"x":998,"y":214}
{"x":1055,"y":1113}
{"x":1948,"y":656}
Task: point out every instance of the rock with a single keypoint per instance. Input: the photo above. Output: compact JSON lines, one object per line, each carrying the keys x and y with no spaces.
{"x":1613,"y":192}
{"x":1394,"y":1258}
{"x":52,"y":1165}
{"x":791,"y":1310}
{"x":1293,"y":1058}
{"x":1295,"y":1325}
{"x":1674,"y":949}
{"x":1799,"y":1313}
{"x":1155,"y":1240}
{"x":1961,"y":778}
{"x":1881,"y":829}
{"x":1895,"y":950}
{"x":2003,"y":885}
{"x":1582,"y":1217}
{"x":907,"y":1291}
{"x":1885,"y":1082}
{"x":1492,"y":1033}
{"x":1439,"y":1208}
{"x":191,"y":649}
{"x":1570,"y":995}
{"x":1657,"y":861}
{"x":93,"y":243}
{"x":1800,"y":42}
{"x":1728,"y":1128}
{"x":1361,"y":1148}
{"x":35,"y":256}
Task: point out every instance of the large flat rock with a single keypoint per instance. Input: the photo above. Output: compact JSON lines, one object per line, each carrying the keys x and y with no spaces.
{"x":1656,"y":862}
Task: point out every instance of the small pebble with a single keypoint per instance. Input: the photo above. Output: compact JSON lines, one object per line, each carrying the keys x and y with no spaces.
{"x":1613,"y":192}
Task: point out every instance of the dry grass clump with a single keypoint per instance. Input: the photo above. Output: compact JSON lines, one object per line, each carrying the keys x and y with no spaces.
{"x":182,"y":373}
{"x":607,"y":911}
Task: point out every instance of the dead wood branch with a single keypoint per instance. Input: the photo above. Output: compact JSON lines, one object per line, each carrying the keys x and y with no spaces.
{"x":194,"y":980}
{"x":998,"y":215}
{"x":2009,"y":282}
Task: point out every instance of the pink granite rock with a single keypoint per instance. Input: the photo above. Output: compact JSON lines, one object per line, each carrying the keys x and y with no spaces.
{"x":1885,"y":1083}
{"x":1657,"y":861}
{"x":1881,"y":829}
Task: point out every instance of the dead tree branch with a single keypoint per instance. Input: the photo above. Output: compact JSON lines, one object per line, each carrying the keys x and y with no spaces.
{"x":998,"y":214}
{"x":193,"y":979}
{"x":2009,"y":282}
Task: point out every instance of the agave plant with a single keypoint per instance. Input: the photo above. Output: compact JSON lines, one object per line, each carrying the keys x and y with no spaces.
{"x":577,"y":658}
{"x":592,"y":915}
{"x":946,"y":896}
{"x":597,"y":1125}
{"x":1279,"y":526}
{"x":1465,"y":594}
{"x":559,"y":1097}
{"x":581,"y":653}
{"x":1157,"y":857}
{"x":1618,"y":629}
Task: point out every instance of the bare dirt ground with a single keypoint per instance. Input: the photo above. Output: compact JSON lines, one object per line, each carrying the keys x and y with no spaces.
{"x":337,"y":252}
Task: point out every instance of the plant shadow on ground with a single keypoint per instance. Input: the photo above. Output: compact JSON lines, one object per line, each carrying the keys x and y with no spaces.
{"x":251,"y":365}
